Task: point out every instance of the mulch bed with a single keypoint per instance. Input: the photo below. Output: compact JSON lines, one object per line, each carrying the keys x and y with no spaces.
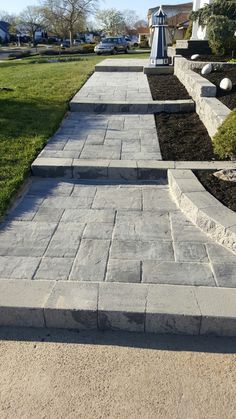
{"x":223,"y":190}
{"x":183,"y":136}
{"x":166,"y":87}
{"x":228,"y":98}
{"x":212,"y":58}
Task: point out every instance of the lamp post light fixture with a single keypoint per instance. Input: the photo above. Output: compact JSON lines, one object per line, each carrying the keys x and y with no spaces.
{"x":158,"y":55}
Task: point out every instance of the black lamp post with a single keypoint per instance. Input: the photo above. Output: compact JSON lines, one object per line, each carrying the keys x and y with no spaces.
{"x":158,"y":55}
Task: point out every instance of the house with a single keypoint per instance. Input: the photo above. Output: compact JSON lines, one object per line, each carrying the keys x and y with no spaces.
{"x":177,"y":19}
{"x":143,"y":36}
{"x":4,"y":31}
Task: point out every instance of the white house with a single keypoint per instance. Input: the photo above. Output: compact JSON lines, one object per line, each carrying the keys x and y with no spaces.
{"x":198,"y":32}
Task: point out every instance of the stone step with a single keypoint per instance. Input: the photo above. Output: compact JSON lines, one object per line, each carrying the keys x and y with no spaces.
{"x":118,"y":169}
{"x":122,"y":65}
{"x":134,"y":107}
{"x":147,"y":308}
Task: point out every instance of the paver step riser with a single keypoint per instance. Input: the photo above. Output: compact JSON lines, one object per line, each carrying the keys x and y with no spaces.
{"x":141,"y":308}
{"x":126,"y":69}
{"x":133,"y":108}
{"x":100,"y":172}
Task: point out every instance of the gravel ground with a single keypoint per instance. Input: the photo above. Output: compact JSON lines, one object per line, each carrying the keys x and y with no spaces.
{"x":111,"y":375}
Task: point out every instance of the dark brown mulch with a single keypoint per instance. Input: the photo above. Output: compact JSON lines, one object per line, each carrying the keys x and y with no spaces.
{"x":166,"y":87}
{"x":223,"y":190}
{"x":228,"y":98}
{"x":212,"y":58}
{"x":183,"y":137}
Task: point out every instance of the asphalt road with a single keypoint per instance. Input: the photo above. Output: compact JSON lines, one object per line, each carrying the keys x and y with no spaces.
{"x":55,"y":374}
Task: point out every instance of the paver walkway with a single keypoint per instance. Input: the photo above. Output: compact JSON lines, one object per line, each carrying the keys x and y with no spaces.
{"x":113,"y":137}
{"x":113,"y":231}
{"x":70,"y":230}
{"x":115,"y":86}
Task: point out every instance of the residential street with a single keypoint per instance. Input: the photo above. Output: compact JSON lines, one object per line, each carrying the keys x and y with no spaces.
{"x":111,"y":375}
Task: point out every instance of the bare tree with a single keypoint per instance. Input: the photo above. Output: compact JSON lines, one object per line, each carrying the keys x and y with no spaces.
{"x":130,"y":18}
{"x":67,"y":16}
{"x":111,"y":21}
{"x":30,"y":21}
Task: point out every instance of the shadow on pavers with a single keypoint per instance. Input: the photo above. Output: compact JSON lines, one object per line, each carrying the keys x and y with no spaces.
{"x":209,"y":344}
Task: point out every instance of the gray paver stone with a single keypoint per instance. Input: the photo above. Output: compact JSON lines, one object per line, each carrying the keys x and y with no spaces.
{"x":72,"y":306}
{"x":172,"y":309}
{"x":122,"y":307}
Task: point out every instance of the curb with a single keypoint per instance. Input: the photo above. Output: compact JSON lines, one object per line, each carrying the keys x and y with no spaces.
{"x":147,"y":308}
{"x":205,"y":211}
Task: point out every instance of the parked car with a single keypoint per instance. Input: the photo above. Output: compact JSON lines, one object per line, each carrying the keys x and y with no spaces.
{"x":112,"y":45}
{"x":77,"y":42}
{"x":132,"y":42}
{"x":65,"y":44}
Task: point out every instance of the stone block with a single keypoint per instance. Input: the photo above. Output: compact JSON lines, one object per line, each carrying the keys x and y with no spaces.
{"x":177,"y":273}
{"x":72,"y":306}
{"x":122,"y":198}
{"x":126,"y":170}
{"x":91,"y":261}
{"x":22,"y":302}
{"x":141,"y":250}
{"x":88,"y":216}
{"x":90,"y":169}
{"x":65,"y":241}
{"x":190,"y":252}
{"x":123,"y":271}
{"x":218,"y":309}
{"x":172,"y":309}
{"x":16,"y":267}
{"x":122,"y":307}
{"x":225,"y":273}
{"x":99,"y":231}
{"x":52,"y":167}
{"x":56,"y":269}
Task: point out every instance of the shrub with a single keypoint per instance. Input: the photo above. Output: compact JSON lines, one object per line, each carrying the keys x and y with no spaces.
{"x":82,"y":49}
{"x":20,"y":54}
{"x":224,"y":141}
{"x":221,"y":34}
{"x":188,"y":32}
{"x":219,"y":17}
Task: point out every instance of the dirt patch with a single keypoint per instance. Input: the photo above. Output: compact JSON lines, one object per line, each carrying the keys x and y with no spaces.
{"x":167,"y":87}
{"x":227,"y":98}
{"x":212,"y":58}
{"x":223,"y":190}
{"x":183,"y":137}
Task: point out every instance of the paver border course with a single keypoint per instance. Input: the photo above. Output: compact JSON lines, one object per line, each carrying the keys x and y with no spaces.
{"x":172,"y":309}
{"x":204,"y":210}
{"x":118,"y":169}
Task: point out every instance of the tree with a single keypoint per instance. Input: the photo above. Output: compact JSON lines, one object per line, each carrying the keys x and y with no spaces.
{"x":219,"y":18}
{"x":67,"y":16}
{"x":130,"y":18}
{"x":111,"y":21}
{"x":30,"y":21}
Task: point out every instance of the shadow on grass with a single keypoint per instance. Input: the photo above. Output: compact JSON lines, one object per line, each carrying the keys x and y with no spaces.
{"x":124,"y":339}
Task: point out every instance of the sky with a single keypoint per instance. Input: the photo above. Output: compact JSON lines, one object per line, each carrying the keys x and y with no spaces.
{"x":140,"y":6}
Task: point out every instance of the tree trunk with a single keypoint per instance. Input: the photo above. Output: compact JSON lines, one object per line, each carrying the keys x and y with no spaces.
{"x":71,"y":38}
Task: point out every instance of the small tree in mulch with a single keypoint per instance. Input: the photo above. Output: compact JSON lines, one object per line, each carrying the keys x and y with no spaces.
{"x":219,"y":18}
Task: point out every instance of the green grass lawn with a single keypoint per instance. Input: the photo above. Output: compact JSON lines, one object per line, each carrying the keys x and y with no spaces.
{"x":32,"y":111}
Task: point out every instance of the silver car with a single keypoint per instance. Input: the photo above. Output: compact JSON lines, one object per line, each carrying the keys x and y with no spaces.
{"x":112,"y":45}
